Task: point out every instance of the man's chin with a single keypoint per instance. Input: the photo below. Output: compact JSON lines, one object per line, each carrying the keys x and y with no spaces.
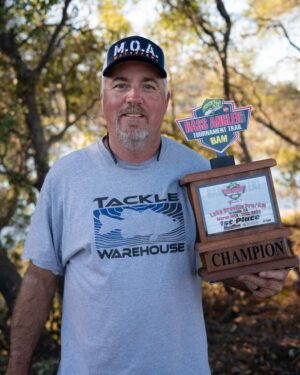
{"x":133,"y":139}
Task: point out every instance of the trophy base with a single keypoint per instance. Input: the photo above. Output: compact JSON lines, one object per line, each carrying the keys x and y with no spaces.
{"x":225,"y":259}
{"x":287,"y":263}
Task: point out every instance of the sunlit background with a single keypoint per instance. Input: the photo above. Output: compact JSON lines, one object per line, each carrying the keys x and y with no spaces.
{"x":50,"y":72}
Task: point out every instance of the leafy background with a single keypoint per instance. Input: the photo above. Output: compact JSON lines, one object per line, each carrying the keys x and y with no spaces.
{"x":51,"y":54}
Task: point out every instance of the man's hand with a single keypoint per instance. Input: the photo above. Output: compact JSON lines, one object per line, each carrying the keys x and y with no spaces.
{"x":265,"y":284}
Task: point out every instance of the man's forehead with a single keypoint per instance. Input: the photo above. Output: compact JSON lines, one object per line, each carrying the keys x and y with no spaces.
{"x":135,"y":68}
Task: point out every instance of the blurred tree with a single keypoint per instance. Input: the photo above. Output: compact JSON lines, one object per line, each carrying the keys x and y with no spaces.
{"x":276,"y":105}
{"x":212,"y":24}
{"x":50,"y":56}
{"x":112,"y":18}
{"x":49,"y":59}
{"x":273,"y":15}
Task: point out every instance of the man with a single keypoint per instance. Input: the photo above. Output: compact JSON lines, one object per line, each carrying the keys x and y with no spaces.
{"x":113,"y":220}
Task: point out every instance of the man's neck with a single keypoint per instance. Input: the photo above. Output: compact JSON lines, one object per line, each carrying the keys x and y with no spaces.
{"x":132,"y":154}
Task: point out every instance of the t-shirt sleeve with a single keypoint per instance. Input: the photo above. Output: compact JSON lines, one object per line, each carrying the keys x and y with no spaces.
{"x":43,"y":243}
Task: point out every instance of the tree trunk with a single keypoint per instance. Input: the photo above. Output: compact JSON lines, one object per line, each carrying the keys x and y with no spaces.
{"x":27,"y":93}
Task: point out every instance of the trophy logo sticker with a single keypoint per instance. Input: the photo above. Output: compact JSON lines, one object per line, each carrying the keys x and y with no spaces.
{"x":215,"y":124}
{"x":234,"y":190}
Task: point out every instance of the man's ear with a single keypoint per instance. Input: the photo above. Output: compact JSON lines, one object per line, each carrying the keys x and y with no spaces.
{"x":168,"y":96}
{"x":101,"y":101}
{"x":168,"y":99}
{"x":101,"y":92}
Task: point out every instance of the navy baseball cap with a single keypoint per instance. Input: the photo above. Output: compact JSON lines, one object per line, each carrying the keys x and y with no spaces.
{"x":135,"y":48}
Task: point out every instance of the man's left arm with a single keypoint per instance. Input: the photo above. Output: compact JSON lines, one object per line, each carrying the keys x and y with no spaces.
{"x":264,"y":284}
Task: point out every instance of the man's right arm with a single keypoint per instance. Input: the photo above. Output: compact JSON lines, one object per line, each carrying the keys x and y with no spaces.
{"x":31,"y":310}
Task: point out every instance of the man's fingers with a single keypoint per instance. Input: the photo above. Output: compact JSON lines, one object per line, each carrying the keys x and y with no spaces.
{"x":264,"y":293}
{"x":275,"y":274}
{"x":251,"y":286}
{"x":262,"y":286}
{"x":252,"y":279}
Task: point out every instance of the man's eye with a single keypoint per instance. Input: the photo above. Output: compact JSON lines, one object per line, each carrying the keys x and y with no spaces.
{"x":148,"y":86}
{"x":120,"y":85}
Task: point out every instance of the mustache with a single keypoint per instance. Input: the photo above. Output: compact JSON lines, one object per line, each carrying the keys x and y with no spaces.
{"x":132,"y":110}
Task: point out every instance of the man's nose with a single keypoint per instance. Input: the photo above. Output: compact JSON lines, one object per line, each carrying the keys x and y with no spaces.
{"x":134,"y":95}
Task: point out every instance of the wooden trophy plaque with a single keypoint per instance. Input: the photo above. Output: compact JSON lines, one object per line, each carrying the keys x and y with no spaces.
{"x":238,"y":221}
{"x":239,"y":230}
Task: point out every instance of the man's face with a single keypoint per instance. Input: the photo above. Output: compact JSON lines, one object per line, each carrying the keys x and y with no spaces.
{"x":134,"y":103}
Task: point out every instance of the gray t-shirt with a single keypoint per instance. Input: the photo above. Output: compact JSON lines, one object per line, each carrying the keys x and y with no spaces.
{"x":123,"y":237}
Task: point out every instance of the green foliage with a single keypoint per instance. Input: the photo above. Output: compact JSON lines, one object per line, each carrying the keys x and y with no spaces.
{"x":50,"y":69}
{"x":272,"y":8}
{"x":66,"y":91}
{"x":7,"y":124}
{"x":113,"y":19}
{"x":45,"y":367}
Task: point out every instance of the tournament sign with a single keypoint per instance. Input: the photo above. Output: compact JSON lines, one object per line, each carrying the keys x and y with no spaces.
{"x":216,"y":124}
{"x":239,"y":230}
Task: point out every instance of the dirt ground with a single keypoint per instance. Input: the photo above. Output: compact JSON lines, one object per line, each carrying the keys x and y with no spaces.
{"x":254,"y":336}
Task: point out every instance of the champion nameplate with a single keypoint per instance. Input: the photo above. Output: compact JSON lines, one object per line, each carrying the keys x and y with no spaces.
{"x":244,"y":255}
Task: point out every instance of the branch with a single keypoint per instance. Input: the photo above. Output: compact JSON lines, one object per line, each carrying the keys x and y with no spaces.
{"x":53,"y":40}
{"x":270,"y":126}
{"x":57,"y":137}
{"x":68,"y":32}
{"x":194,"y":14}
{"x":243,"y":144}
{"x":276,"y":24}
{"x":222,"y":10}
{"x":267,"y":122}
{"x":226,"y":83}
{"x":9,"y":47}
{"x":280,"y":25}
{"x":197,"y":21}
